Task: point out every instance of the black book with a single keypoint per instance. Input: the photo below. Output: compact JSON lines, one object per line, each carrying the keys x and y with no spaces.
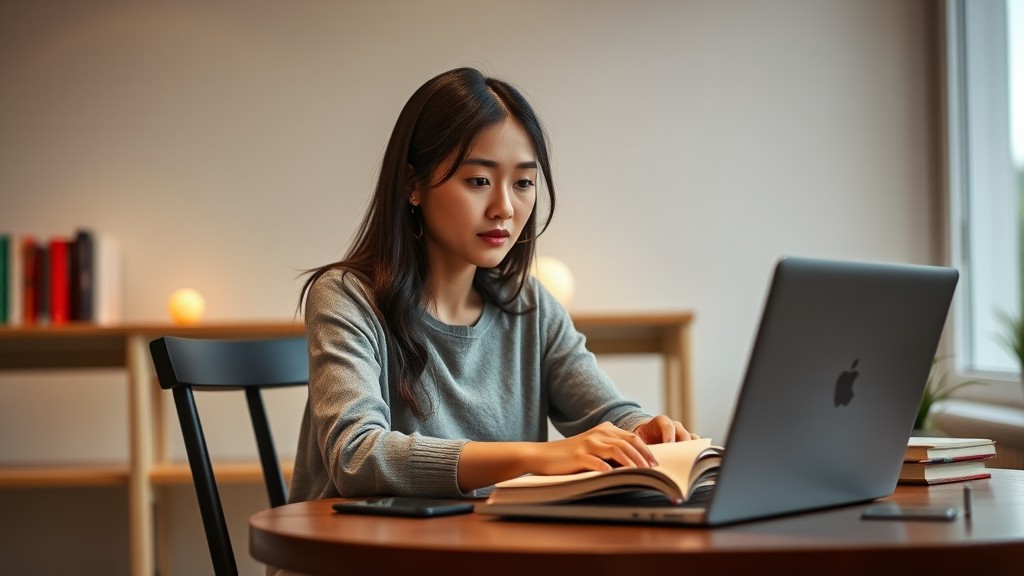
{"x":82,"y":283}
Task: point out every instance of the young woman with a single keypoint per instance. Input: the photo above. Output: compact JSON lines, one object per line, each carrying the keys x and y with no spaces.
{"x":436,"y":360}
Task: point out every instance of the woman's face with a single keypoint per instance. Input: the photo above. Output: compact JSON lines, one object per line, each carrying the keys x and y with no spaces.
{"x":475,"y":217}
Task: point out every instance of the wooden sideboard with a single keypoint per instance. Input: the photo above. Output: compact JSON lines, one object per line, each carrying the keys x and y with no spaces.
{"x":76,"y":346}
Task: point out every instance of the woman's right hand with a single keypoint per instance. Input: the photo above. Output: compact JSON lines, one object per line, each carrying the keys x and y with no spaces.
{"x":603,"y":447}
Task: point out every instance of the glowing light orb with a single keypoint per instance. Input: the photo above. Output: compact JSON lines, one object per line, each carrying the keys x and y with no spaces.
{"x":186,"y":306}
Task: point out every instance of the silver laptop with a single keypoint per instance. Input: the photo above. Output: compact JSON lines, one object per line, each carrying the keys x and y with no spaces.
{"x":835,"y":376}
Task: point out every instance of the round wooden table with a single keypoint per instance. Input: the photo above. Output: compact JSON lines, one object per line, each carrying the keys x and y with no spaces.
{"x":309,"y":537}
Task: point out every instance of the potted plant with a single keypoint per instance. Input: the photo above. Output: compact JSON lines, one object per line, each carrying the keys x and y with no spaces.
{"x":1013,"y":336}
{"x":938,"y":388}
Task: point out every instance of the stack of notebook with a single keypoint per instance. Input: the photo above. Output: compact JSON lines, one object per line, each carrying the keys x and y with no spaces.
{"x":932,"y":460}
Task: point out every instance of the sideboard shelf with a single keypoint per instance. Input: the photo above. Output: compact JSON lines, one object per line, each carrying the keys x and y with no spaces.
{"x":174,"y":473}
{"x":63,"y":476}
{"x":161,"y":474}
{"x":78,"y":346}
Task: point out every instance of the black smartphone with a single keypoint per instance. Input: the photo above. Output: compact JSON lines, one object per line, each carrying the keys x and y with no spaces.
{"x":404,"y":506}
{"x":889,"y":511}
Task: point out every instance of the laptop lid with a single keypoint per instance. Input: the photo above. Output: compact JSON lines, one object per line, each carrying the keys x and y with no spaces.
{"x":834,"y":380}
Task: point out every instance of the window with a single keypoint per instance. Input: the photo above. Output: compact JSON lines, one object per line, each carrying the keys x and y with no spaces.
{"x":985,"y":106}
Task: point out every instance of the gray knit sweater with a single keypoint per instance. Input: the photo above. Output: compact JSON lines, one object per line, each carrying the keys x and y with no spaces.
{"x":501,"y":379}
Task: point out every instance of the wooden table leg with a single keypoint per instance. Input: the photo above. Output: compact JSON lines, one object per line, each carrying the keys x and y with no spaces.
{"x":140,"y":492}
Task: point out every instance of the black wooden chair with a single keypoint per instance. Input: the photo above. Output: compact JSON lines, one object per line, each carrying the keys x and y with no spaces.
{"x":186,"y":364}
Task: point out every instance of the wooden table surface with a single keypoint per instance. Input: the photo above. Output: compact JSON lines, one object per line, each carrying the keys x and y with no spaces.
{"x":309,"y":537}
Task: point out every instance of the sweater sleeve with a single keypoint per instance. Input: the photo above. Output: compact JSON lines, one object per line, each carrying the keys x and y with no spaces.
{"x":581,"y":394}
{"x":349,"y":407}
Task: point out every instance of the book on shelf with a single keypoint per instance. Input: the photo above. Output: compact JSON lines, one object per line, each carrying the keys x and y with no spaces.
{"x":61,"y":278}
{"x":921,"y":448}
{"x":944,"y":471}
{"x":42,"y":283}
{"x":15,"y":282}
{"x":81,"y":293}
{"x":682,"y":468}
{"x":5,"y":267}
{"x":107,"y":279}
{"x":29,"y":277}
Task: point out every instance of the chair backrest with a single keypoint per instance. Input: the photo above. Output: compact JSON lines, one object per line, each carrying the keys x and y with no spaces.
{"x":187,"y":364}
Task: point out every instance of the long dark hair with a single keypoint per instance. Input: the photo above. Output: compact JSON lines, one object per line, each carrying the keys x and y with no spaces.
{"x":439,"y":123}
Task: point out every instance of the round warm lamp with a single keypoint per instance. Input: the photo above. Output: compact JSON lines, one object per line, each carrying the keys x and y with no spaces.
{"x":186,"y":306}
{"x":556,"y":277}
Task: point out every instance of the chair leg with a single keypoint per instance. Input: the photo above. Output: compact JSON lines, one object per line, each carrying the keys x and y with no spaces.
{"x":210,"y":507}
{"x":272,"y":475}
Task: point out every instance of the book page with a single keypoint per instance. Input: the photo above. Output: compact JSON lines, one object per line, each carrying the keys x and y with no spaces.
{"x":942,"y":442}
{"x":675,"y":460}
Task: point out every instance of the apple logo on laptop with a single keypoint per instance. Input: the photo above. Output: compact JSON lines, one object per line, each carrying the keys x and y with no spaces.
{"x":844,"y":385}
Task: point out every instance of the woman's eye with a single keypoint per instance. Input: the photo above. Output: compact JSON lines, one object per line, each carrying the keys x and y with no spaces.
{"x":478,"y":182}
{"x":524,"y":183}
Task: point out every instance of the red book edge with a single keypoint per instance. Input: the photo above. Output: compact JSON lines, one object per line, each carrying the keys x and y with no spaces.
{"x":980,"y":476}
{"x":60,"y":282}
{"x":952,"y":459}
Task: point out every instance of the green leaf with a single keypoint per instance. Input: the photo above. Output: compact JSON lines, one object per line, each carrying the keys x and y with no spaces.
{"x":1013,"y":335}
{"x":937,"y":388}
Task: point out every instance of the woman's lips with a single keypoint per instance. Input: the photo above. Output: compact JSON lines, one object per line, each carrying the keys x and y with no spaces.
{"x":495,"y":237}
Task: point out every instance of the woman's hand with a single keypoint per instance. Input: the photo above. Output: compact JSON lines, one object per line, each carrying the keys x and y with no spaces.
{"x":603,"y":447}
{"x":662,"y":429}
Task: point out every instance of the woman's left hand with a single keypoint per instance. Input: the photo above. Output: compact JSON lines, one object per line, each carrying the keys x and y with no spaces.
{"x":662,"y":429}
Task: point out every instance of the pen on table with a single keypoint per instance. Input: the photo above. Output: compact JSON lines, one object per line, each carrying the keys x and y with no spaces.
{"x":967,"y":501}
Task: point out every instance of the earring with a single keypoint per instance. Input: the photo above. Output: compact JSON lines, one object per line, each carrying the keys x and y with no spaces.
{"x":412,"y":210}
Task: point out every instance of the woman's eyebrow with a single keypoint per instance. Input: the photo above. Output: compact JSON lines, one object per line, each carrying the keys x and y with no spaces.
{"x":492,"y":164}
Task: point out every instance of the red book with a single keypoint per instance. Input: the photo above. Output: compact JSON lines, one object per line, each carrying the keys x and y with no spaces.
{"x":944,"y":471}
{"x":60,"y":281}
{"x":945,"y":479}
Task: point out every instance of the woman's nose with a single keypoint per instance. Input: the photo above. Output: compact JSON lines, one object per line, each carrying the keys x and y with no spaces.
{"x":501,"y":204}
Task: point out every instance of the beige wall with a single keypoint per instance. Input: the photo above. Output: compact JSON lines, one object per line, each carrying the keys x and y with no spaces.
{"x":228,"y":145}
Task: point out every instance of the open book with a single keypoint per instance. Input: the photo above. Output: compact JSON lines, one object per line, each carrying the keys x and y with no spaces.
{"x":682,"y":468}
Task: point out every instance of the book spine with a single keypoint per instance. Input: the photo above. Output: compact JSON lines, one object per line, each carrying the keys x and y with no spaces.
{"x":15,"y":281}
{"x":923,"y":482}
{"x":59,"y":281}
{"x":107,"y":280}
{"x":5,"y":280}
{"x":74,"y":265}
{"x":42,"y":284}
{"x":30,"y":263}
{"x":82,"y":277}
